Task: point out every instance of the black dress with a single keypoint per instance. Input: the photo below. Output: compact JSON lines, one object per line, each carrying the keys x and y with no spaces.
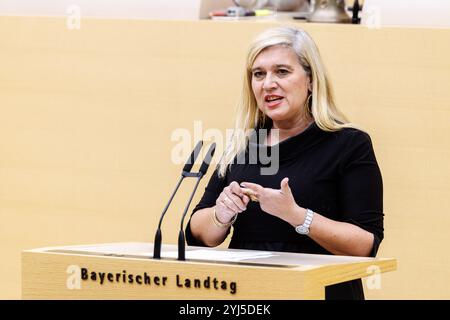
{"x":332,"y":173}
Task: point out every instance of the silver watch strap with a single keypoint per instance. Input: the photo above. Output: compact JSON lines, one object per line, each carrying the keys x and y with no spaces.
{"x":308,"y":218}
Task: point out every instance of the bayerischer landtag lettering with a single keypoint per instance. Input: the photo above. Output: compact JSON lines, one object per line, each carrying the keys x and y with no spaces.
{"x":147,"y":279}
{"x":122,"y":277}
{"x":207,"y":283}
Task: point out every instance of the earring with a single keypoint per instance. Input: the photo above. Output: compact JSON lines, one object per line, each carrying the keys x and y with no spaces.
{"x":308,"y":106}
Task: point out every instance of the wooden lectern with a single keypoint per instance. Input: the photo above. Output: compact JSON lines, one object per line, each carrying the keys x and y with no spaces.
{"x":127,"y":271}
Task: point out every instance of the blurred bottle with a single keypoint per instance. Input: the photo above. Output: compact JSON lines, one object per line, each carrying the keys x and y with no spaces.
{"x":329,"y":11}
{"x":289,"y":5}
{"x":251,"y":4}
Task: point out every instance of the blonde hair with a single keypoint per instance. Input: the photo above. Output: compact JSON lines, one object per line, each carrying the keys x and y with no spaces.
{"x":322,"y":107}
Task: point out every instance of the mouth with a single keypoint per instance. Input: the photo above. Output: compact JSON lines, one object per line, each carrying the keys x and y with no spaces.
{"x":273,"y":100}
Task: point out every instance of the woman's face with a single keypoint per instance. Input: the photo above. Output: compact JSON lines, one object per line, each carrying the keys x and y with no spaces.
{"x":280,"y":84}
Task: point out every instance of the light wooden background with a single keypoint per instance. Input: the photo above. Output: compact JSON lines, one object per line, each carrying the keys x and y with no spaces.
{"x":86,"y":118}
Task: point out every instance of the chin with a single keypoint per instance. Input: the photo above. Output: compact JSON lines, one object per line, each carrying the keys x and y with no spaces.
{"x":277,"y":116}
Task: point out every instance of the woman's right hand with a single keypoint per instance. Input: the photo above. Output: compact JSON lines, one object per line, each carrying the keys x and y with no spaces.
{"x":231,"y":202}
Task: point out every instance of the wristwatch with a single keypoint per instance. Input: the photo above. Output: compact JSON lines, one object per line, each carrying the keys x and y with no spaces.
{"x":304,"y":228}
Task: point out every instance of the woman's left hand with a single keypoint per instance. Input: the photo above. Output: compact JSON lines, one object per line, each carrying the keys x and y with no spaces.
{"x":277,"y":202}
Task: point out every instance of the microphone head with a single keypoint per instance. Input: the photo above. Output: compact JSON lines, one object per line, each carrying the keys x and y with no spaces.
{"x":191,"y":160}
{"x":208,"y":158}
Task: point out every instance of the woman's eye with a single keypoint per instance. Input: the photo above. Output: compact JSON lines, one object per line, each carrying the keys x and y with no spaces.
{"x":283,"y":71}
{"x":258,"y":74}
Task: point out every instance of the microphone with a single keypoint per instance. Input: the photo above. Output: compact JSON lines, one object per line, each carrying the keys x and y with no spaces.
{"x":185,"y":173}
{"x":202,"y":171}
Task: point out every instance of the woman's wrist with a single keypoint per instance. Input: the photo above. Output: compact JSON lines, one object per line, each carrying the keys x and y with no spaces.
{"x":219,"y":223}
{"x":298,"y":215}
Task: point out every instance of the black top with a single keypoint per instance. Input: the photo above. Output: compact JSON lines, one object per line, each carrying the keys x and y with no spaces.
{"x":332,"y":173}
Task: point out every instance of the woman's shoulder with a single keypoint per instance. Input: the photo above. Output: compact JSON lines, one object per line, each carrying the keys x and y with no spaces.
{"x":349,"y":141}
{"x":352,"y":135}
{"x":353,"y":143}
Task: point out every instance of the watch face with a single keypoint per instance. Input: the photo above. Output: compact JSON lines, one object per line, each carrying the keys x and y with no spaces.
{"x":302,"y":230}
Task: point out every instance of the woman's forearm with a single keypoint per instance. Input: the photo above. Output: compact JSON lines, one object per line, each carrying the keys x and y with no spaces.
{"x":204,"y":229}
{"x":337,"y":237}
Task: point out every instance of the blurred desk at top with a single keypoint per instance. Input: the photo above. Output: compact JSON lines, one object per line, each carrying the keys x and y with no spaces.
{"x":375,"y":13}
{"x":131,"y":9}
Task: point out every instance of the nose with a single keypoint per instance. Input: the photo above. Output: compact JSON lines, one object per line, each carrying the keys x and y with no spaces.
{"x":269,"y":82}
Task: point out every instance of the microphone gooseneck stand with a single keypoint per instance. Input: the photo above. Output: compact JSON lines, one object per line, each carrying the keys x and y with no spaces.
{"x":185,"y":173}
